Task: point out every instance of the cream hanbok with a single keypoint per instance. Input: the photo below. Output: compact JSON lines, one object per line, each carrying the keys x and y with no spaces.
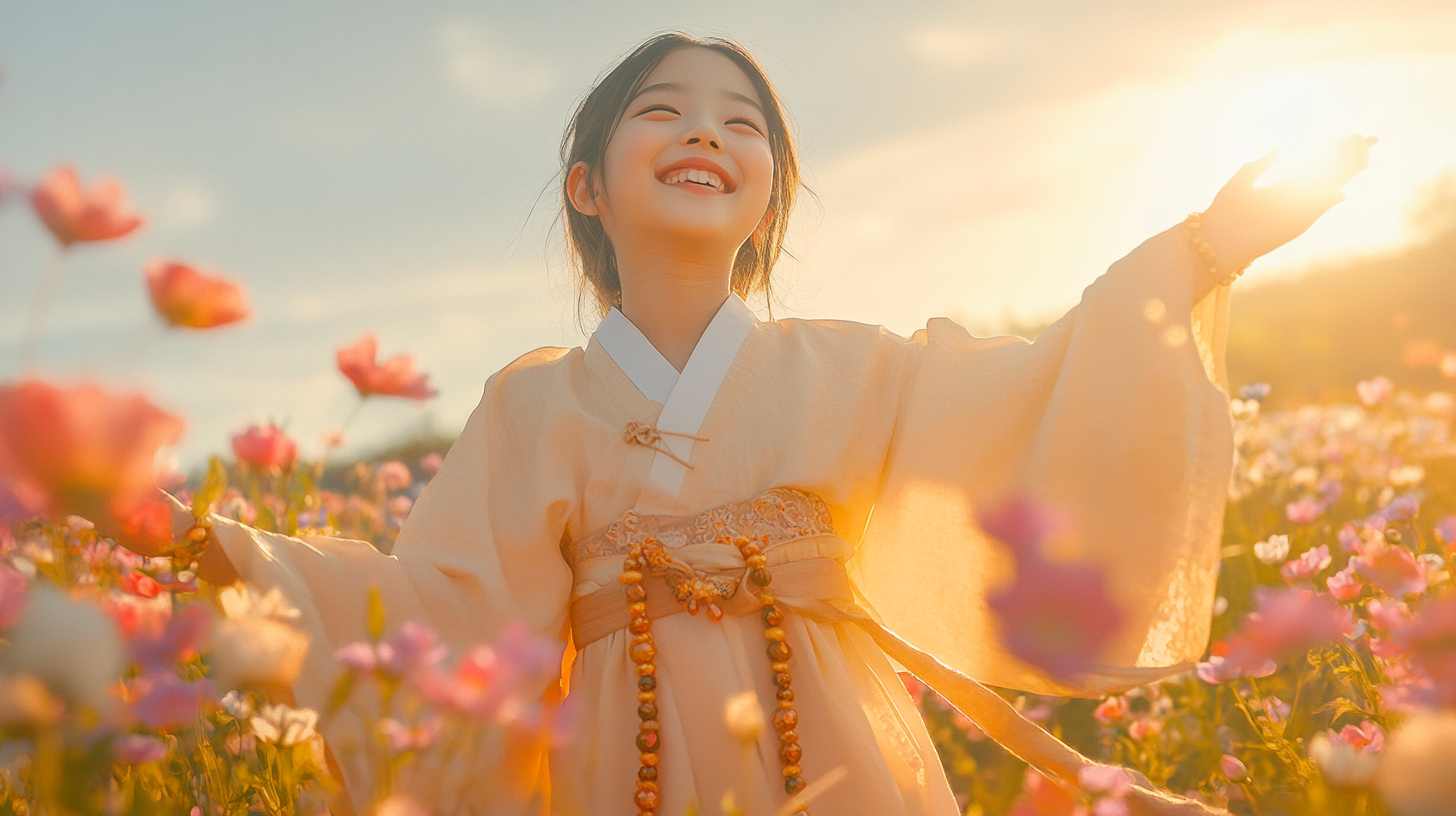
{"x":862,"y":455}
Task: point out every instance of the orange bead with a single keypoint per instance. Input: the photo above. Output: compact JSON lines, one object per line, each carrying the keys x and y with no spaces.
{"x":785,"y":719}
{"x":774,"y":633}
{"x":645,"y":669}
{"x":637,"y":609}
{"x":635,"y":593}
{"x":779,"y":667}
{"x":790,"y":752}
{"x":648,"y":760}
{"x":643,"y":637}
{"x":791,"y":770}
{"x":639,"y":626}
{"x":646,"y":800}
{"x":629,"y":577}
{"x":788,"y":736}
{"x":642,"y":653}
{"x":779,"y":651}
{"x":646,"y":784}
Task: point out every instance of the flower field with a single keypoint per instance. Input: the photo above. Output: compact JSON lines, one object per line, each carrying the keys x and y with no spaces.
{"x":129,"y":685}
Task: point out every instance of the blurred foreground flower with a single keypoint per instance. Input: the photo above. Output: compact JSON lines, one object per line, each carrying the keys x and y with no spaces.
{"x":89,"y":452}
{"x":73,"y":214}
{"x":284,"y":726}
{"x":1054,"y":616}
{"x":71,"y":646}
{"x":256,"y":644}
{"x":396,"y":377}
{"x":744,"y":717}
{"x":1415,"y":776}
{"x":186,"y":297}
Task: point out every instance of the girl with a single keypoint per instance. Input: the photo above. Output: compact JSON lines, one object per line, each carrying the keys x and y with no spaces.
{"x":805,"y":488}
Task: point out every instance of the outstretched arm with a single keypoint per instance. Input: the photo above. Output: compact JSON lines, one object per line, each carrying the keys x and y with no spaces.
{"x":1245,"y":222}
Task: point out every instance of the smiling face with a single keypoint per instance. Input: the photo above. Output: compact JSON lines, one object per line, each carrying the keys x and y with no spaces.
{"x":689,"y":164}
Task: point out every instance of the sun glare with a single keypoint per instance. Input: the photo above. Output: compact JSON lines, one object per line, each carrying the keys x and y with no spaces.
{"x":1217,"y":124}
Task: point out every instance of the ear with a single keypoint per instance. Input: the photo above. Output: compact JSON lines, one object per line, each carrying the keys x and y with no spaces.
{"x":579,"y":189}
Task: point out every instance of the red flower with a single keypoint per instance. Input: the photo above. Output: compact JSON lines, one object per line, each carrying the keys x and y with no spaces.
{"x":141,"y":585}
{"x":88,"y":451}
{"x":265,"y":447}
{"x":73,"y":214}
{"x":395,"y":378}
{"x":185,"y":296}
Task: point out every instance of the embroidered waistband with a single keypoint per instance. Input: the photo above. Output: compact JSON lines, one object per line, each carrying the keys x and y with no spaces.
{"x":781,"y":513}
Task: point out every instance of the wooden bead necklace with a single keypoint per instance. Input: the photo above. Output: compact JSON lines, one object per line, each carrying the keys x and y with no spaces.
{"x":694,"y":593}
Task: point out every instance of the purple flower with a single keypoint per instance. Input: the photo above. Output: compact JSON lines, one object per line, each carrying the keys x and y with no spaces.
{"x":1018,"y":522}
{"x":167,"y":702}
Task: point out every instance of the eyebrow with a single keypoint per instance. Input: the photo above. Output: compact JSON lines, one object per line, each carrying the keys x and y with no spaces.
{"x":676,"y":87}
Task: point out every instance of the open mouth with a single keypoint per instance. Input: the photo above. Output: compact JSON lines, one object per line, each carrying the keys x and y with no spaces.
{"x":695,"y":176}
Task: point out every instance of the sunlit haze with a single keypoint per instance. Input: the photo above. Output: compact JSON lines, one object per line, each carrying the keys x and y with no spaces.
{"x":390,"y":167}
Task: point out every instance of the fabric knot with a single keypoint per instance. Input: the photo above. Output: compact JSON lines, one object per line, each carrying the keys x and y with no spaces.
{"x":640,"y":433}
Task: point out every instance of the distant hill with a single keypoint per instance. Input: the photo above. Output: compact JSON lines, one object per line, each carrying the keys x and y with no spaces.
{"x":1315,"y":336}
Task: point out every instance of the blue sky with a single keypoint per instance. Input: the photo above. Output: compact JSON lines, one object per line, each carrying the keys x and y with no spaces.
{"x":389,"y":167}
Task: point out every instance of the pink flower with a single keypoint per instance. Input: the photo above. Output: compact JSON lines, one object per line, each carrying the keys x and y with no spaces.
{"x":1144,"y":727}
{"x":402,"y":737}
{"x":431,"y":463}
{"x":190,"y":298}
{"x":265,"y":448}
{"x":159,"y":643}
{"x":1105,"y":779}
{"x":1367,"y":737}
{"x":73,"y":214}
{"x":1372,"y":392}
{"x":1303,"y":511}
{"x":1387,"y":616}
{"x":1391,"y":568}
{"x":394,"y":476}
{"x":1276,"y":709}
{"x":139,"y":749}
{"x":1111,"y":710}
{"x":1054,"y":616}
{"x":1345,"y":585}
{"x":1289,"y":621}
{"x":1430,"y":640}
{"x":1232,"y":658}
{"x":166,"y":702}
{"x":1232,"y":768}
{"x":1446,"y":530}
{"x":1019,"y":522}
{"x":1306,"y":565}
{"x":487,"y":680}
{"x":395,"y":378}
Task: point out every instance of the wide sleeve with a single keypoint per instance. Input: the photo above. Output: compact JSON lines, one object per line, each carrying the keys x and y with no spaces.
{"x":479,"y":550}
{"x":1117,"y":416}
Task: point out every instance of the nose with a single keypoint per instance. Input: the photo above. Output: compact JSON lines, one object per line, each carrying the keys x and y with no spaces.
{"x":705,"y":134}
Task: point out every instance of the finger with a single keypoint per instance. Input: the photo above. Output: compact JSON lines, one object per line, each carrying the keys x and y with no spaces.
{"x":1249,"y":173}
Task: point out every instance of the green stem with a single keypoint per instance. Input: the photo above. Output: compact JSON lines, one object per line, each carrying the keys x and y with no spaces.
{"x":45,"y":292}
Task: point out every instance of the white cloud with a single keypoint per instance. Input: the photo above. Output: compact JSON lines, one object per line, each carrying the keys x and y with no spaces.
{"x":950,"y":48}
{"x":488,"y":70}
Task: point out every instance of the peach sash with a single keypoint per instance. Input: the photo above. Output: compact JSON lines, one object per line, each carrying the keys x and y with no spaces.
{"x":806,"y":559}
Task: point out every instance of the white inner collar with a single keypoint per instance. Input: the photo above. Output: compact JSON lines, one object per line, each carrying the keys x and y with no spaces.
{"x":645,"y":366}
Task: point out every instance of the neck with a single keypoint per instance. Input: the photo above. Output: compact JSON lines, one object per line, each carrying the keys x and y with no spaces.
{"x":671,"y":300}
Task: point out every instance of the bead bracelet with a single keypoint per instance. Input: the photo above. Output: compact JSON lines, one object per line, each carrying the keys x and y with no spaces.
{"x":196,"y":541}
{"x":1194,"y":225}
{"x":643,"y":653}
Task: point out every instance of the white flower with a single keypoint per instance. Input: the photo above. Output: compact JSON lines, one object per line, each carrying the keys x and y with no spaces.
{"x":744,"y":717}
{"x":1274,"y":550}
{"x":239,"y":602}
{"x":71,"y":646}
{"x":236,"y":705}
{"x":1434,"y":566}
{"x":284,"y":726}
{"x":256,"y":651}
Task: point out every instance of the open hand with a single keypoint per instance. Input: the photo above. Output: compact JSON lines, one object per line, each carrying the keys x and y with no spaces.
{"x":1245,"y":222}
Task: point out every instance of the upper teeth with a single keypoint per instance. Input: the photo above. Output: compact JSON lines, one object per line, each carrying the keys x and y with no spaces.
{"x":700,"y":176}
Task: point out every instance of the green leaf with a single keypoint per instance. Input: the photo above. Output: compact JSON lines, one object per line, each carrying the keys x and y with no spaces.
{"x":211,"y":490}
{"x":376,"y":613}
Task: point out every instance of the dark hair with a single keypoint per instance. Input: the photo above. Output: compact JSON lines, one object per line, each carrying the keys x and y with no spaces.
{"x":591,"y":128}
